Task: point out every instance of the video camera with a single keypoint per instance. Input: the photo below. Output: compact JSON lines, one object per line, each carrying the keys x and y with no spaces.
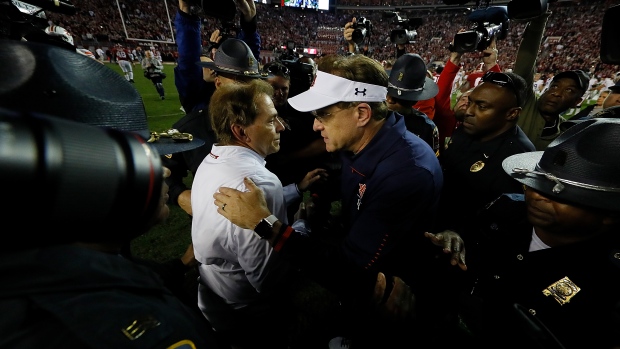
{"x":362,"y":28}
{"x":491,"y":22}
{"x":406,"y":28}
{"x":301,"y":73}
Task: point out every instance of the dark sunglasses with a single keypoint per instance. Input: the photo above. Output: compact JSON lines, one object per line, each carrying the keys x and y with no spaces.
{"x":277,"y":69}
{"x":502,"y":80}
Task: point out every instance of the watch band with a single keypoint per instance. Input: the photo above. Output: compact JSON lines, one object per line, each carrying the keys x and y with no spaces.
{"x":264,"y":228}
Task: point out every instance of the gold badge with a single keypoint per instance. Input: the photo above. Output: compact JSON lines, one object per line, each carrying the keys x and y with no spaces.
{"x":562,"y":290}
{"x":400,"y":76}
{"x":477,"y":166}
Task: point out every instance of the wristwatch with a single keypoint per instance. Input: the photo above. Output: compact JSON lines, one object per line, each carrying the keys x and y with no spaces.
{"x":264,"y":228}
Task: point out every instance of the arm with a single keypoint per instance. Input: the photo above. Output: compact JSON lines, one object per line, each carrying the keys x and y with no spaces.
{"x":348,"y":36}
{"x":525,"y":63}
{"x":158,"y":65}
{"x":248,"y":23}
{"x":246,"y":209}
{"x":400,"y":50}
{"x":187,"y":75}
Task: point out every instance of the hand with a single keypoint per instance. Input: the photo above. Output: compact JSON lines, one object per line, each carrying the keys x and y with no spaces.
{"x":400,"y":304}
{"x":185,"y":201}
{"x":183,"y":6}
{"x":489,"y":55}
{"x":348,"y":34}
{"x":452,"y":243}
{"x":215,"y":37}
{"x":247,"y":9}
{"x":244,"y":209}
{"x":311,"y":177}
{"x":306,"y":209}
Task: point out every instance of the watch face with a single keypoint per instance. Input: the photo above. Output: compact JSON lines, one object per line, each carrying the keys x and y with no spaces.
{"x":271,"y":220}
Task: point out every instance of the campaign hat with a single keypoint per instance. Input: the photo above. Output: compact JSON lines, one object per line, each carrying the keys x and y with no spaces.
{"x":409,"y":80}
{"x":51,"y":80}
{"x":234,"y":56}
{"x":581,"y":166}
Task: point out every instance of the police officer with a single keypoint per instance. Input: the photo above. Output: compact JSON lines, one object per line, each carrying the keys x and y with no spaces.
{"x":547,"y":269}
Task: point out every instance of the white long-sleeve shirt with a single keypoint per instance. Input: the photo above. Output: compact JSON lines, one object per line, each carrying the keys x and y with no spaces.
{"x":235,"y":263}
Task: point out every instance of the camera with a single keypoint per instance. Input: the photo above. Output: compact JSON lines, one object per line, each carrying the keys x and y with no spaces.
{"x":362,"y":28}
{"x":229,"y":30}
{"x":406,"y":28}
{"x":491,"y":22}
{"x":301,"y":73}
{"x":65,"y":171}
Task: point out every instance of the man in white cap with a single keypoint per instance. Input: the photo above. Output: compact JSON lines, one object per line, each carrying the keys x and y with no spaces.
{"x":391,"y":181}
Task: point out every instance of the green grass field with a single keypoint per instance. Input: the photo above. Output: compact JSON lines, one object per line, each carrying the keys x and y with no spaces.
{"x":168,"y":240}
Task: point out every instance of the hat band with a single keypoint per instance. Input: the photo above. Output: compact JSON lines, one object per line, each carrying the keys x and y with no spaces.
{"x":407,"y":89}
{"x":558,"y":181}
{"x":401,"y":90}
{"x":237,"y":71}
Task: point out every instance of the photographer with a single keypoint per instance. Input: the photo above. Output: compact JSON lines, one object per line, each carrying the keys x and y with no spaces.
{"x":153,"y":71}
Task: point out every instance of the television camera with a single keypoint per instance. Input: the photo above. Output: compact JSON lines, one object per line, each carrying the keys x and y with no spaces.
{"x":301,"y":73}
{"x":491,"y":22}
{"x":362,"y":28}
{"x":406,"y":28}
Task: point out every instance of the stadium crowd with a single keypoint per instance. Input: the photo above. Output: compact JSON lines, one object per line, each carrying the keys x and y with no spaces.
{"x":98,"y":23}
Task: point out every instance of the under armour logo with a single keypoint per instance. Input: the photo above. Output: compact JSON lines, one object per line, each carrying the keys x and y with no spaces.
{"x":358,"y":91}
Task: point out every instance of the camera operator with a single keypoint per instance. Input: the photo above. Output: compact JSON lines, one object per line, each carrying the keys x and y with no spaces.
{"x":349,"y":31}
{"x":448,"y":117}
{"x":101,"y":187}
{"x":153,"y":70}
{"x":234,"y":61}
{"x":194,"y":92}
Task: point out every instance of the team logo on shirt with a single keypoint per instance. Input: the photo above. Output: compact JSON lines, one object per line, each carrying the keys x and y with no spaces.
{"x":360,"y":194}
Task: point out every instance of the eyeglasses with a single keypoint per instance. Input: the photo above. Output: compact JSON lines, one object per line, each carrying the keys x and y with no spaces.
{"x":277,"y":69}
{"x":502,"y":80}
{"x":320,"y":115}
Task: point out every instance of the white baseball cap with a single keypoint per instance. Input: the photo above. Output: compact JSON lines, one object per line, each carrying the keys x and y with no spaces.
{"x":330,"y":89}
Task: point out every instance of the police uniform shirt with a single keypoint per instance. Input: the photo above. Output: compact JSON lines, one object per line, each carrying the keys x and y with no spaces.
{"x":473,"y":174}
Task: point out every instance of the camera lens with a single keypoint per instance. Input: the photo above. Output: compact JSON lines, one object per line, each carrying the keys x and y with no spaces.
{"x":62,"y":171}
{"x":358,"y":35}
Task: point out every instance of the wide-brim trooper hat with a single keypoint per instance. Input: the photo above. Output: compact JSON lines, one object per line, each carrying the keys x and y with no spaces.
{"x":234,"y":56}
{"x":47,"y":79}
{"x":581,"y":166}
{"x":409,"y":81}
